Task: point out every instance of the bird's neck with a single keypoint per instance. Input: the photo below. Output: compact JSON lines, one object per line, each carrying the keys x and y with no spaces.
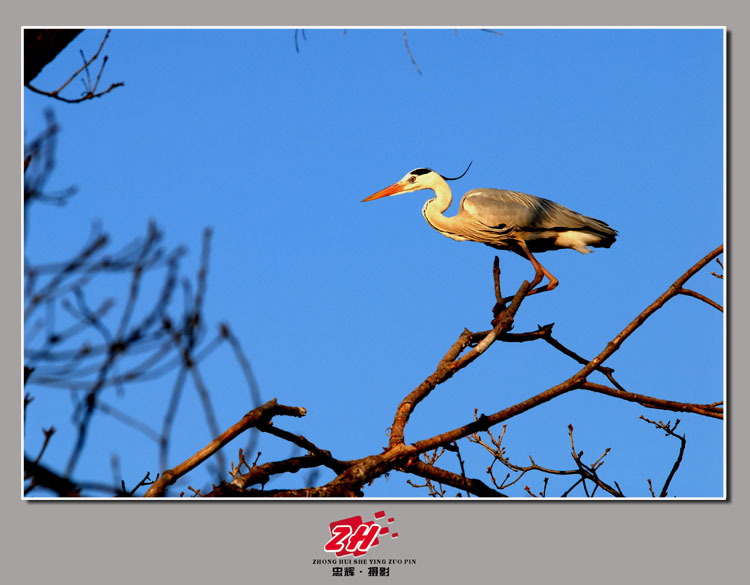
{"x":434,"y":208}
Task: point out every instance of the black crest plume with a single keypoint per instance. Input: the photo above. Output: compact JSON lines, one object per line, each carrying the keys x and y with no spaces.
{"x":461,"y":175}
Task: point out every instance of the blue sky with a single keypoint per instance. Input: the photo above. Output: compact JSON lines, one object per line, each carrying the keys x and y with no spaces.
{"x":344,"y":307}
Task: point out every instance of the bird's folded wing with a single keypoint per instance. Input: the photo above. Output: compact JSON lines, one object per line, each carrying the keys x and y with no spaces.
{"x":501,"y":210}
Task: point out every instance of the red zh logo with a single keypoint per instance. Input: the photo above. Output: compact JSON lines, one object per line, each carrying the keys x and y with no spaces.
{"x":351,"y":536}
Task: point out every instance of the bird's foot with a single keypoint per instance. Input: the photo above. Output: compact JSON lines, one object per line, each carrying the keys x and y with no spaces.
{"x":551,"y":285}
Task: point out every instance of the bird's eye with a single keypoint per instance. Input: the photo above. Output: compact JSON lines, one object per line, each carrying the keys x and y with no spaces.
{"x":412,"y":179}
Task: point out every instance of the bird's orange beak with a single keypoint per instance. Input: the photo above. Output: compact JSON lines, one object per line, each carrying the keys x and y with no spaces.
{"x":394,"y":189}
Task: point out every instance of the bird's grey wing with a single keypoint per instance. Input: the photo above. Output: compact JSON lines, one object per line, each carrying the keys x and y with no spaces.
{"x":499,"y":209}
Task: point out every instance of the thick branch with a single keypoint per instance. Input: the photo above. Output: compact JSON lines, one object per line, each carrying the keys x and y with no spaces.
{"x":62,"y":486}
{"x":324,"y":456}
{"x":451,"y":364}
{"x":475,"y":486}
{"x":260,"y":474}
{"x":41,"y":46}
{"x":257,"y":416}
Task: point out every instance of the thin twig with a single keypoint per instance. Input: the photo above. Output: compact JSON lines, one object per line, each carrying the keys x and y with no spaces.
{"x":697,"y":295}
{"x":411,"y":55}
{"x":47,"y":436}
{"x":669,"y":429}
{"x":90,"y":92}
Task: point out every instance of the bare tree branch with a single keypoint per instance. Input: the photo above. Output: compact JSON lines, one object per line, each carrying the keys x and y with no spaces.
{"x":90,"y":89}
{"x":474,"y":486}
{"x":705,"y":299}
{"x":669,"y":429}
{"x":256,"y":416}
{"x":411,"y":55}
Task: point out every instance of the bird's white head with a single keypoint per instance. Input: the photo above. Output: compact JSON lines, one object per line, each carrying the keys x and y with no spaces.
{"x":415,"y":180}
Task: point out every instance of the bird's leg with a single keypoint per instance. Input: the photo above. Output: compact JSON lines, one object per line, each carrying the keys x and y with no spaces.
{"x":541,"y":272}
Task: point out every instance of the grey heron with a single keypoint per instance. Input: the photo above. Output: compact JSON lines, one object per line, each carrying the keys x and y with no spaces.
{"x":505,"y":220}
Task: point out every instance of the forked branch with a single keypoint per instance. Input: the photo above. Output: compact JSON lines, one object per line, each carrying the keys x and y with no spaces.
{"x":255,"y":417}
{"x":91,"y":86}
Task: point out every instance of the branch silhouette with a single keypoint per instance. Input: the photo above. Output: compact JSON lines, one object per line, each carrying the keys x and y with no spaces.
{"x":90,"y":86}
{"x":354,"y":475}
